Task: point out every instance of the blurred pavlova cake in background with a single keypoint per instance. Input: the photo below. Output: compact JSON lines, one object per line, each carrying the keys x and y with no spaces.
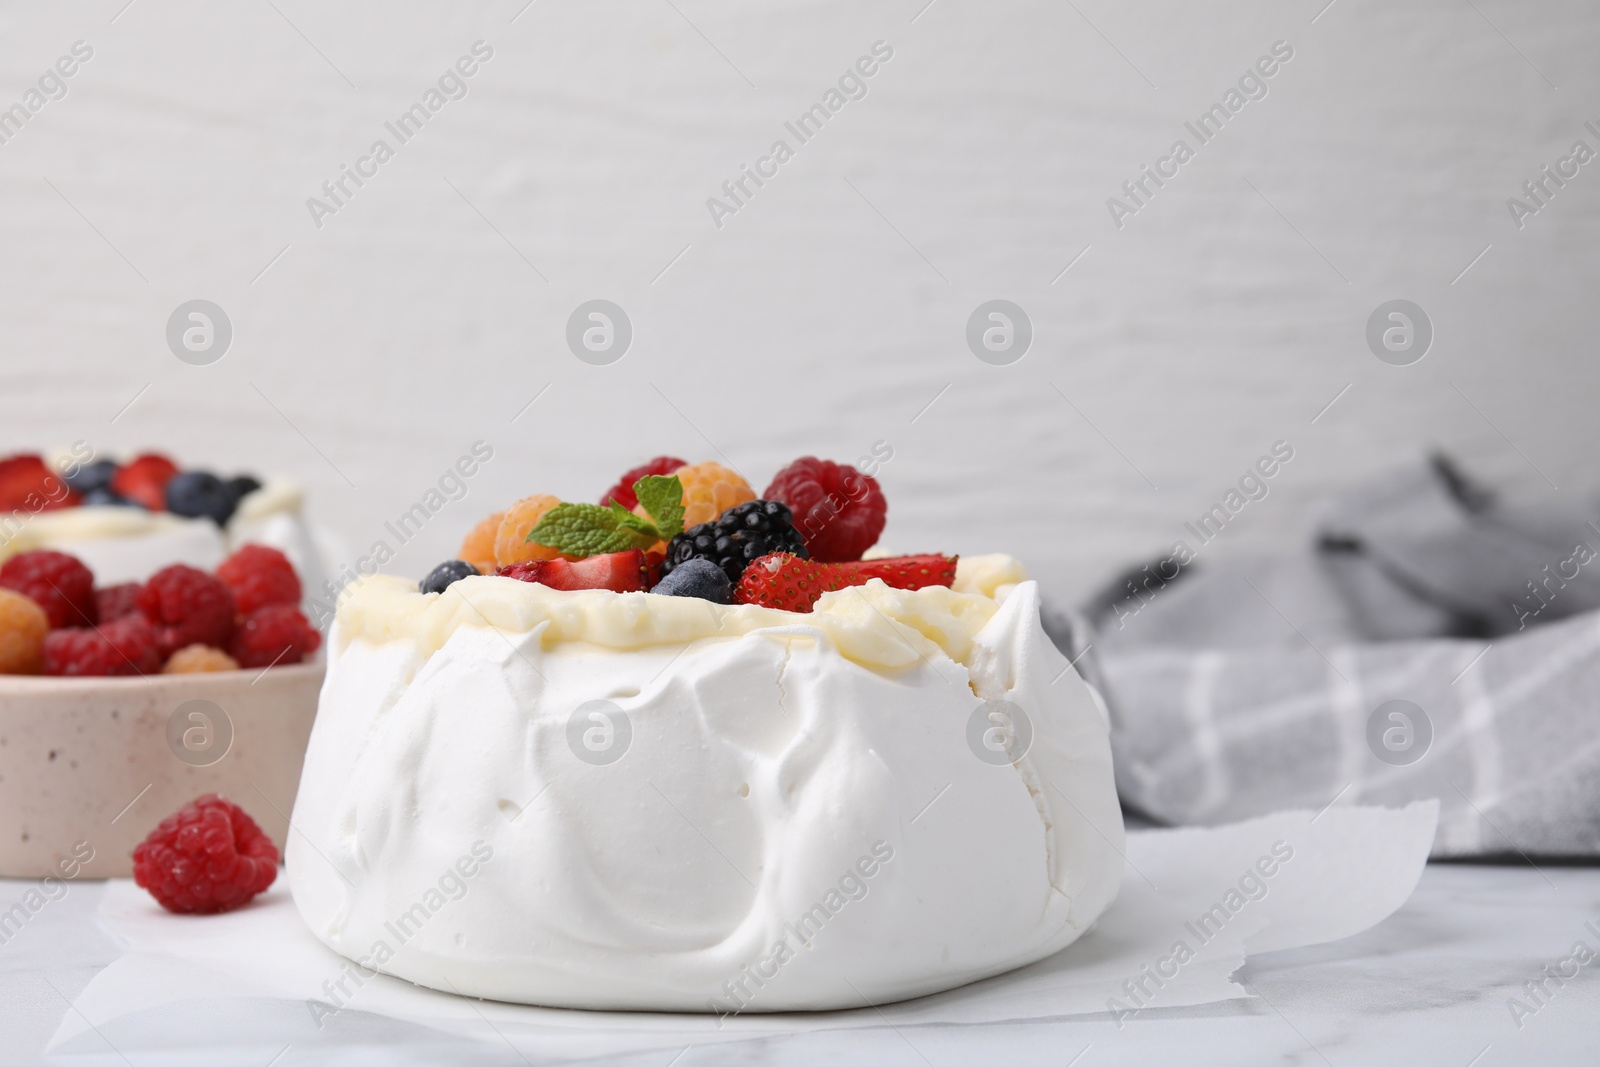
{"x":127,"y":520}
{"x":690,"y":750}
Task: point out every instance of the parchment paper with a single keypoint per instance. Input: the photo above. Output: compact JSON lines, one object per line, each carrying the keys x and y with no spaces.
{"x":1207,"y":890}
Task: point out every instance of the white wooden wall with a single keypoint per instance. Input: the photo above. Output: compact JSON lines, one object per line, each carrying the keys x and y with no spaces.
{"x":368,"y":354}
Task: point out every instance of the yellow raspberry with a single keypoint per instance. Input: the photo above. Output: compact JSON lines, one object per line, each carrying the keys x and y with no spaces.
{"x":511,"y":544}
{"x":477,"y":548}
{"x":709,"y":489}
{"x":23,"y":625}
{"x":199,"y":659}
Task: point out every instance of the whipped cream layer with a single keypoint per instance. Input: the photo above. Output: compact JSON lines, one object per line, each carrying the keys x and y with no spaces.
{"x":799,"y":819}
{"x":126,"y":544}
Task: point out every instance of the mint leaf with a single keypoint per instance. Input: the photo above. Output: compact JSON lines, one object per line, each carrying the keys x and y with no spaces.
{"x":626,"y":518}
{"x":591,"y":530}
{"x":662,"y":497}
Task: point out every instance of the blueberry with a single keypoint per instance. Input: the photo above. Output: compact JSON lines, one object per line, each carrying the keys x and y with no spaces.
{"x":105,"y":498}
{"x":699,"y":578}
{"x":201,"y":494}
{"x":92,"y":476}
{"x":446,"y":574}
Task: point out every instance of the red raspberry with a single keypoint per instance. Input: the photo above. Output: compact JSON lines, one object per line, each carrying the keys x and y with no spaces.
{"x":622,"y":492}
{"x":838,"y":510}
{"x":209,"y":856}
{"x":275,"y":634}
{"x":27,"y":484}
{"x":117,"y":601}
{"x":187,"y":607}
{"x":145,"y":479}
{"x":57,"y":582}
{"x":120,"y":647}
{"x":258,"y":576}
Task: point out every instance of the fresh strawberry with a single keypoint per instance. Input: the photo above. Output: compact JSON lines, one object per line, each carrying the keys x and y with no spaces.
{"x":790,"y":583}
{"x":904,"y":572}
{"x":26,"y":483}
{"x":620,"y":572}
{"x":145,"y":479}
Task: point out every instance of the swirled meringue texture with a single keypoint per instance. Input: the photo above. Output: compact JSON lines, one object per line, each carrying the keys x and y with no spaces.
{"x":772,"y":759}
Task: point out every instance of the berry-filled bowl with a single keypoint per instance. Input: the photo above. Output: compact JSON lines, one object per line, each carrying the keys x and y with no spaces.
{"x":119,"y":702}
{"x":89,"y":766}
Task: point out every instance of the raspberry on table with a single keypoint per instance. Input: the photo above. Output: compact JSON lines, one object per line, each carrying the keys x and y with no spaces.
{"x":23,"y":626}
{"x":199,"y":659}
{"x":208,"y":857}
{"x":477,"y":548}
{"x":57,"y":582}
{"x":623,"y":493}
{"x":117,"y":601}
{"x":709,"y":489}
{"x":186,"y":606}
{"x":274,"y":635}
{"x":838,"y":510}
{"x":257,"y":576}
{"x":511,"y":544}
{"x":739,"y":535}
{"x":122,"y":647}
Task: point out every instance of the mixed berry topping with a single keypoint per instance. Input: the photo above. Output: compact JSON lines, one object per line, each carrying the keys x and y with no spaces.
{"x":739,"y":535}
{"x":149,"y":481}
{"x":698,"y":530}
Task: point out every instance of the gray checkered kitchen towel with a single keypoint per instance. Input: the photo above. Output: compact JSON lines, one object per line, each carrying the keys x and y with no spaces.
{"x":1430,"y":642}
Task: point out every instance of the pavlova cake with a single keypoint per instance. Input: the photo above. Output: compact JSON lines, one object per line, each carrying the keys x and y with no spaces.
{"x":127,"y":519}
{"x":694,"y":750}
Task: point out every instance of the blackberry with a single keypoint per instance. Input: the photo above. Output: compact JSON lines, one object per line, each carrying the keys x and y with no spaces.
{"x":743,"y":533}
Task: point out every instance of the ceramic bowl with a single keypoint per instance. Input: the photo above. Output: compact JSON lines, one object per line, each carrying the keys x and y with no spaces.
{"x":91,"y":765}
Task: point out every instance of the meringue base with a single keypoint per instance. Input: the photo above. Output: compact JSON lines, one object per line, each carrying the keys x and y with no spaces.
{"x":767,"y":825}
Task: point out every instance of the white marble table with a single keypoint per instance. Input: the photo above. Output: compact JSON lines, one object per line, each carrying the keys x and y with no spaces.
{"x":1430,"y":985}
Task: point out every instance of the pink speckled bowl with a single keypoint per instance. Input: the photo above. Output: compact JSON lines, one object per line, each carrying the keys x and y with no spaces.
{"x":88,"y":761}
